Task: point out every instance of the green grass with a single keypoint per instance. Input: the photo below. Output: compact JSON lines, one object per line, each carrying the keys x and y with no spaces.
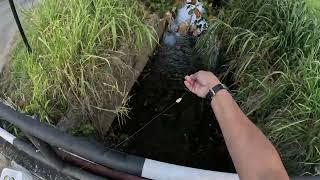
{"x":75,"y":64}
{"x":314,"y":4}
{"x":271,"y":49}
{"x":160,"y":6}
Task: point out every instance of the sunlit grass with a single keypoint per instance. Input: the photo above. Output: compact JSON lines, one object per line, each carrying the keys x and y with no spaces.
{"x":271,"y":50}
{"x":314,"y":4}
{"x":75,"y":62}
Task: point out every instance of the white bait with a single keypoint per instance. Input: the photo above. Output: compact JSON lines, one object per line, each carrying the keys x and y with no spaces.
{"x":179,"y":100}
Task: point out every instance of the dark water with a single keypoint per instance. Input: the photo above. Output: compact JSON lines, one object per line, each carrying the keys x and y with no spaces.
{"x":187,"y":134}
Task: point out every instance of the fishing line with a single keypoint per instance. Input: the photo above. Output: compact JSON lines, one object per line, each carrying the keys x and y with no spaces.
{"x":149,"y":122}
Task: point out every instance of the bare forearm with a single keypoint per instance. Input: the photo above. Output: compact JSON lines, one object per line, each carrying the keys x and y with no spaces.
{"x":252,"y":153}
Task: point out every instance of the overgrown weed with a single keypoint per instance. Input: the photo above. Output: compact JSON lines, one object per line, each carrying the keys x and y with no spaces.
{"x":271,"y":49}
{"x":74,"y":65}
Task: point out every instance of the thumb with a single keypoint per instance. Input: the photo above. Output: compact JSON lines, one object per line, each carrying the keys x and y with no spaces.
{"x":188,"y":85}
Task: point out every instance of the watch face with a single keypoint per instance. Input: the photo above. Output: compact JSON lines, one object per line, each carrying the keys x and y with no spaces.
{"x":214,"y":90}
{"x":217,"y":88}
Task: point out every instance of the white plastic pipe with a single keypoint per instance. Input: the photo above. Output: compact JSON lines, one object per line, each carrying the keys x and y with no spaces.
{"x":7,"y":136}
{"x":164,"y":171}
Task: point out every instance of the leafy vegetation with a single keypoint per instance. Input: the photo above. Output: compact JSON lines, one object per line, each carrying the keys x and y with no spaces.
{"x":160,"y":6}
{"x":163,"y":6}
{"x":84,"y":130}
{"x":314,"y":4}
{"x":271,"y":49}
{"x":76,"y":63}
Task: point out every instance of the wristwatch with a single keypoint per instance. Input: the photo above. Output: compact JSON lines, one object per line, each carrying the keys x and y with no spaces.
{"x":214,"y":90}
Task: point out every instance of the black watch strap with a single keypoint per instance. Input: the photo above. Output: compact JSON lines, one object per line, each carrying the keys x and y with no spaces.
{"x":214,"y":90}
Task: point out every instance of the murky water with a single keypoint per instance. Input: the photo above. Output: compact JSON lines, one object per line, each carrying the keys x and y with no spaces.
{"x":187,"y":134}
{"x":174,"y":62}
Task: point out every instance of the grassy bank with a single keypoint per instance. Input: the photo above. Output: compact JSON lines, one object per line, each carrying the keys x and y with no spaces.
{"x":76,"y":66}
{"x":314,"y":4}
{"x":271,"y":49}
{"x":159,"y":6}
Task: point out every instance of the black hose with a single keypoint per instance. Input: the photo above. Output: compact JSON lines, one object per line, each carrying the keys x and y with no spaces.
{"x":47,"y":152}
{"x":80,"y":174}
{"x":66,"y":169}
{"x":96,"y":168}
{"x":16,"y":18}
{"x":91,"y":151}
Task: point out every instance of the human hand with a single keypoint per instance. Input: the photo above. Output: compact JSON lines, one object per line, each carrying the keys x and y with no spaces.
{"x":201,"y":82}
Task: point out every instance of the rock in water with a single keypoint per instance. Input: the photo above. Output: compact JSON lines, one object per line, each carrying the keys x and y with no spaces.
{"x":170,"y":39}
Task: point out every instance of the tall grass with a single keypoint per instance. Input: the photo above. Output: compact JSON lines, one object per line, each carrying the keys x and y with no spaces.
{"x":271,"y":50}
{"x":160,"y":6}
{"x":76,"y":64}
{"x":315,"y":4}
